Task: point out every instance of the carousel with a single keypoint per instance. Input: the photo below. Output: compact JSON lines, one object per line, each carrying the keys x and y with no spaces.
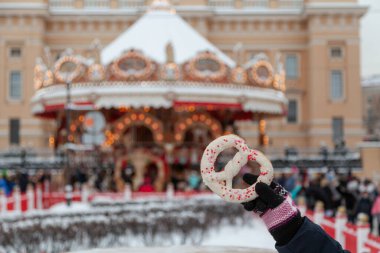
{"x":155,"y":97}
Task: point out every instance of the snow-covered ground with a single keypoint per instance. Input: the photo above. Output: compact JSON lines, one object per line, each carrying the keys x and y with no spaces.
{"x":255,"y":235}
{"x":228,"y":239}
{"x":75,"y":207}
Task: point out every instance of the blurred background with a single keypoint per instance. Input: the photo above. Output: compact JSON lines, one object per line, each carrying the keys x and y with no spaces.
{"x":108,"y":104}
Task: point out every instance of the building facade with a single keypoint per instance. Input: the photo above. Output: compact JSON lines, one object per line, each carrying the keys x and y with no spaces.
{"x":318,"y":41}
{"x":371,"y":107}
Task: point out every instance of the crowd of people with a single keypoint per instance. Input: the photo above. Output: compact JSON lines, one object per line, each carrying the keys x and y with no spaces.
{"x":9,"y":179}
{"x":334,"y":190}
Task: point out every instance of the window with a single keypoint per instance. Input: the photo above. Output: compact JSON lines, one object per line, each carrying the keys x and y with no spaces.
{"x":336,"y":52}
{"x":15,"y":52}
{"x":14,"y":131}
{"x":15,"y":85}
{"x":336,"y":85}
{"x":292,"y":111}
{"x":337,"y":125}
{"x":291,"y":66}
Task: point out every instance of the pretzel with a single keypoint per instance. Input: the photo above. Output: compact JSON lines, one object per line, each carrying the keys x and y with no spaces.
{"x":221,"y":182}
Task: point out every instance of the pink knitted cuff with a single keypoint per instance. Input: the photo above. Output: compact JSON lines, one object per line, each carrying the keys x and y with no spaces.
{"x":280,"y":215}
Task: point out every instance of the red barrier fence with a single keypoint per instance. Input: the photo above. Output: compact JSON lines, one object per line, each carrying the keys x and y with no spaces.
{"x":36,"y":199}
{"x":354,"y":237}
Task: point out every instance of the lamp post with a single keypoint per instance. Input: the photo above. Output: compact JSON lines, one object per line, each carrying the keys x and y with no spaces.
{"x":68,"y":131}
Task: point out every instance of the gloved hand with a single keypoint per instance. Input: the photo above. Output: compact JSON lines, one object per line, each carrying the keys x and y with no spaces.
{"x":276,"y":208}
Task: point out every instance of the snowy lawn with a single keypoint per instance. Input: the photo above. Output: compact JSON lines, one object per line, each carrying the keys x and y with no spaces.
{"x":255,"y":235}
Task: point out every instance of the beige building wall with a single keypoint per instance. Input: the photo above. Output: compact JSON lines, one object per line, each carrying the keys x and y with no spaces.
{"x":308,"y":33}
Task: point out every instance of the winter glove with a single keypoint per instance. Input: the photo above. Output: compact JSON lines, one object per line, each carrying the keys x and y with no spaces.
{"x":276,"y":208}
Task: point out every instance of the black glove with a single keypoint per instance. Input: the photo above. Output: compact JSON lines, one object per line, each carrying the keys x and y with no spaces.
{"x":276,"y":208}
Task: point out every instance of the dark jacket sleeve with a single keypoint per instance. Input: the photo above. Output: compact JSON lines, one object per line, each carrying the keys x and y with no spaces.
{"x":311,"y":238}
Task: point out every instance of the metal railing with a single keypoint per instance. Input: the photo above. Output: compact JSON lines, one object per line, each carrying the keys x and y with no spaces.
{"x":255,"y":3}
{"x":221,"y":3}
{"x":97,"y":4}
{"x":61,"y":4}
{"x":290,"y":4}
{"x":131,"y":3}
{"x":125,"y":4}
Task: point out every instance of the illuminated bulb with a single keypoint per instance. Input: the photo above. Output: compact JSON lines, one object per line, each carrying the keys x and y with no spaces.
{"x":120,"y":126}
{"x":127,"y":121}
{"x":134,"y":116}
{"x":202,"y":117}
{"x":189,"y":121}
{"x":155,"y":126}
{"x":262,"y":125}
{"x":141,"y":116}
{"x":266,"y":140}
{"x":148,"y":121}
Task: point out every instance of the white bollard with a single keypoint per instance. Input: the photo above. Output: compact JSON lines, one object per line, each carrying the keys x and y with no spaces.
{"x":301,"y":204}
{"x":340,"y":224}
{"x":84,"y":194}
{"x":4,"y":203}
{"x":17,"y":200}
{"x":375,"y":225}
{"x":127,"y":192}
{"x":68,"y":194}
{"x":39,"y":197}
{"x":30,"y":197}
{"x":319,"y":213}
{"x":170,"y":191}
{"x":362,"y":232}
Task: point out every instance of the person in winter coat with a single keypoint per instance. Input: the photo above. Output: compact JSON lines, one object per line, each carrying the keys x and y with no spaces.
{"x":364,"y":205}
{"x":292,"y":233}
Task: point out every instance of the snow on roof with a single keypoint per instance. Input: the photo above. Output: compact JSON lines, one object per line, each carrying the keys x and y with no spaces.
{"x":154,"y":31}
{"x":371,"y":81}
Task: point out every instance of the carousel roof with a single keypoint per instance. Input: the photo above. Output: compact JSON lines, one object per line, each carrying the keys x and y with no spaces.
{"x":159,"y":62}
{"x":154,"y":31}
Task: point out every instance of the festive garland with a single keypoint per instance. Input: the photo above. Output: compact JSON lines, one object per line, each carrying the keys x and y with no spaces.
{"x":239,"y":75}
{"x":39,"y":75}
{"x":197,"y":74}
{"x":96,"y":72}
{"x":255,"y":76}
{"x":136,"y":118}
{"x":170,"y":72}
{"x":133,"y":74}
{"x":63,"y":77}
{"x":196,"y":118}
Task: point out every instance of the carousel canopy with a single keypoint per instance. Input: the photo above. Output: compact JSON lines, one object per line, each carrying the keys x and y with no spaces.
{"x":159,"y":62}
{"x":154,"y":31}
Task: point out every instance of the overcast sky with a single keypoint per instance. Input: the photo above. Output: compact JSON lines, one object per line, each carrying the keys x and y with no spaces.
{"x":370,"y":39}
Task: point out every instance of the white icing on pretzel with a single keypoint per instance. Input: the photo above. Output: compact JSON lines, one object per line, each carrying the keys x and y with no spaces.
{"x":221,"y":182}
